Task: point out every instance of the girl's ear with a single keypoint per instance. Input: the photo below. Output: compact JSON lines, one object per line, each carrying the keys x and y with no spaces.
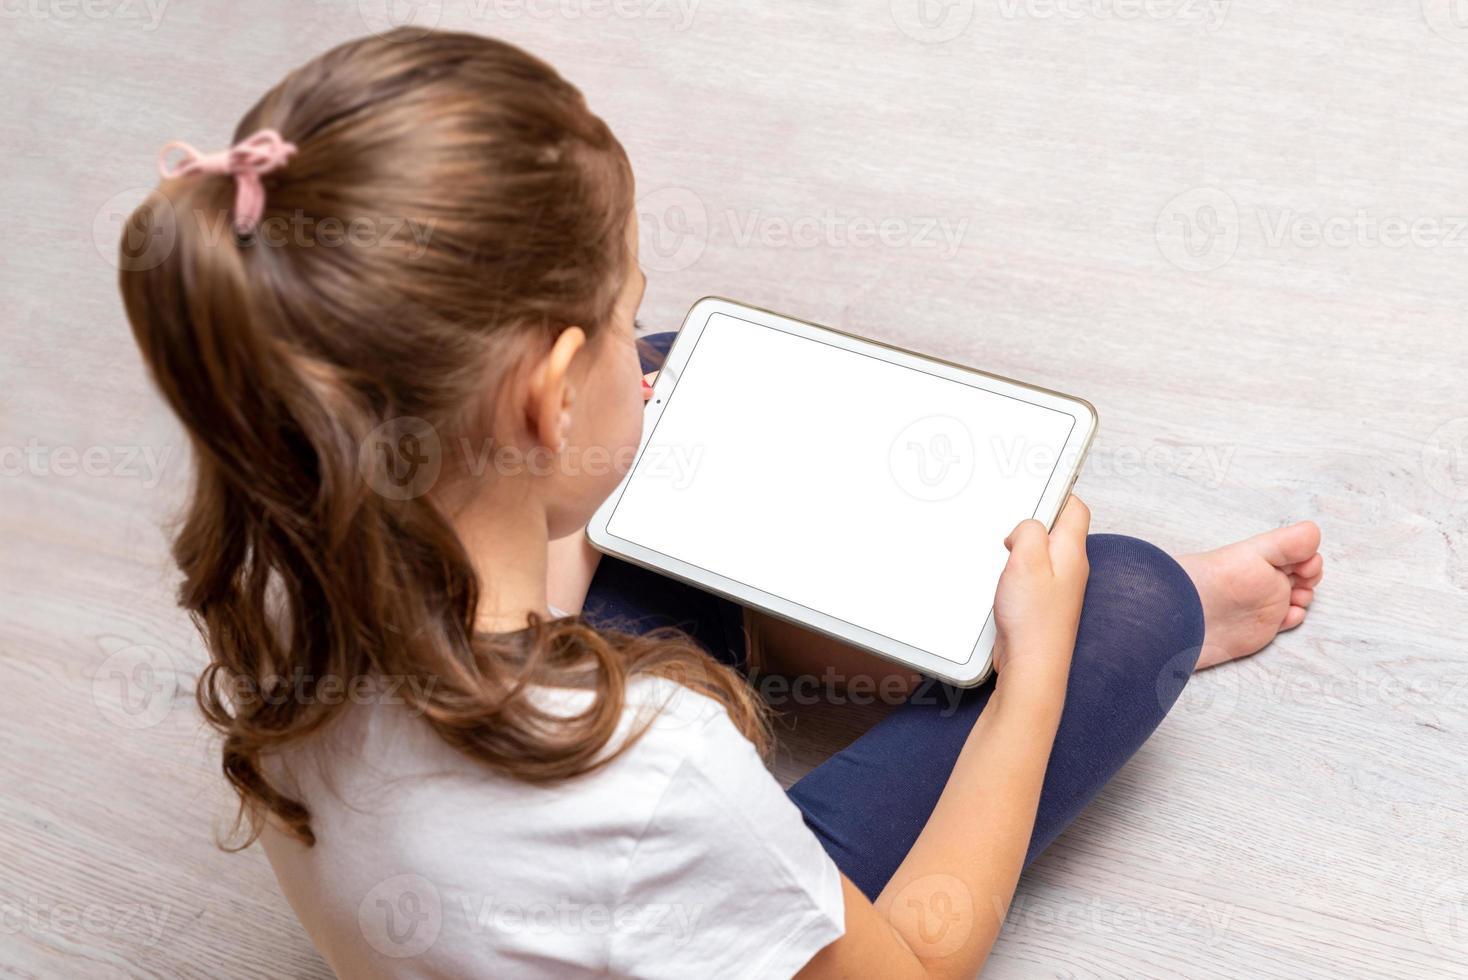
{"x":548,"y":408}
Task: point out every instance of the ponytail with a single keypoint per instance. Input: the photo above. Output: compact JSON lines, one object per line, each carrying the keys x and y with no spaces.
{"x":287,"y":362}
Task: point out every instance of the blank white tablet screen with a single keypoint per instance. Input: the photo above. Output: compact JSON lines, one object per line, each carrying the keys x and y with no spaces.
{"x":868,"y":491}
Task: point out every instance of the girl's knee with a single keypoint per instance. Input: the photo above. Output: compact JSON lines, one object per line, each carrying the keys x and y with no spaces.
{"x":1142,"y":575}
{"x":1142,"y":616}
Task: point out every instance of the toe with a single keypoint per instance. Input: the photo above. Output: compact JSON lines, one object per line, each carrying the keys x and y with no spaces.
{"x":1296,"y":543}
{"x":1302,"y":597}
{"x":1290,"y":545}
{"x":1309,"y":569}
{"x":1304,"y":583}
{"x":1294,"y":617}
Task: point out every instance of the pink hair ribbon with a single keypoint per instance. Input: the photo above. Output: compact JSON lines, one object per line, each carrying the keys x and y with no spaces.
{"x":247,"y":161}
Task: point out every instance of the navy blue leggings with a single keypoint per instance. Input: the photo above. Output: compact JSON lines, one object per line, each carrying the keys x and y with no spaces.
{"x":1140,"y":633}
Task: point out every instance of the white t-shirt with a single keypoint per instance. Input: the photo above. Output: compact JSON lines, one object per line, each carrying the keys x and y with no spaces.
{"x":682,"y":857}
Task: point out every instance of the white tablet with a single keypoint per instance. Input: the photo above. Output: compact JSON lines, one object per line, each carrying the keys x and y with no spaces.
{"x":842,"y":484}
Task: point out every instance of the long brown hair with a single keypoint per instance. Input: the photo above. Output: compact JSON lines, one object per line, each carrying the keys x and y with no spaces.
{"x":283,"y":352}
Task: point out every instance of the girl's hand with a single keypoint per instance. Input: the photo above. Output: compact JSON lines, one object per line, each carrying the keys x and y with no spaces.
{"x":1038,"y":604}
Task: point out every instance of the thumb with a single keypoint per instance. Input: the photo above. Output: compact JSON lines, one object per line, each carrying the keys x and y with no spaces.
{"x":1028,"y":542}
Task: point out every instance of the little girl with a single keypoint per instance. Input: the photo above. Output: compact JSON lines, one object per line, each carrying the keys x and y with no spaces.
{"x":470,"y":749}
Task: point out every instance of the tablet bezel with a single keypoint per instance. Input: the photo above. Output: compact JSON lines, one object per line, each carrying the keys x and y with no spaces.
{"x":967,"y":674}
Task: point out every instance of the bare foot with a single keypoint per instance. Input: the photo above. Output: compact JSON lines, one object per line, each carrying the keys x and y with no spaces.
{"x":1254,"y":589}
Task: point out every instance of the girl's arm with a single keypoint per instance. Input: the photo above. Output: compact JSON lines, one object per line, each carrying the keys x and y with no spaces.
{"x":941,"y":912}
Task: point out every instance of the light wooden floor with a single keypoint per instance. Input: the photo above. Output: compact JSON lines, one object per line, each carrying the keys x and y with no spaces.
{"x":1302,"y":814}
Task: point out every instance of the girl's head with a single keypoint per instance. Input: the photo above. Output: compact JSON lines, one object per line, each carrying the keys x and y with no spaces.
{"x":433,"y":320}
